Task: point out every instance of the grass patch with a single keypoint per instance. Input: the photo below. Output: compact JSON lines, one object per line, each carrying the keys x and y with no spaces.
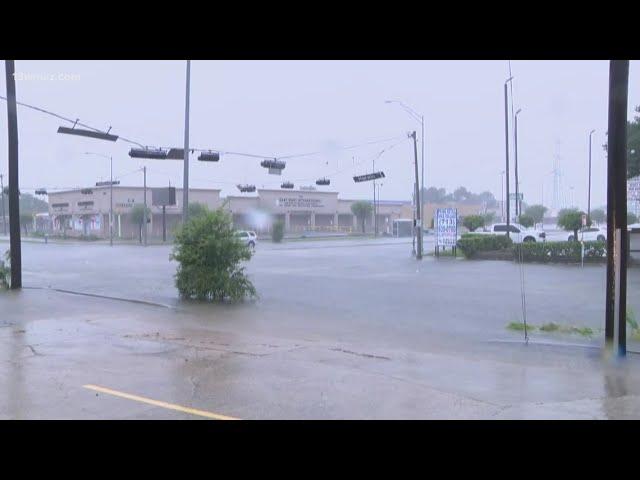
{"x":631,"y":318}
{"x":550,"y":327}
{"x":584,"y":331}
{"x":554,"y":327}
{"x":519,"y":326}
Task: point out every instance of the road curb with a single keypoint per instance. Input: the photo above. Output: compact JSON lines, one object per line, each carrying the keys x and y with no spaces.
{"x":106,"y":297}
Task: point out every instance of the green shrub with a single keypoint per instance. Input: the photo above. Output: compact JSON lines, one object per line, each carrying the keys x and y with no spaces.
{"x":470,"y":244}
{"x":209,"y":255}
{"x":5,"y":271}
{"x":277,"y":234}
{"x":559,"y":251}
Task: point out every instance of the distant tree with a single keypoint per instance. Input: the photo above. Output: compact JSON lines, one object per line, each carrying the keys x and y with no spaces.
{"x":137,"y":217}
{"x":598,"y":215}
{"x":487,"y":198}
{"x":536,"y":212}
{"x":28,"y":202}
{"x":571,"y":220}
{"x":631,"y":218}
{"x":461,"y":194}
{"x":526,"y":220}
{"x":433,"y":195}
{"x":472,"y":222}
{"x":361,"y":209}
{"x":489,"y":218}
{"x":196,"y":209}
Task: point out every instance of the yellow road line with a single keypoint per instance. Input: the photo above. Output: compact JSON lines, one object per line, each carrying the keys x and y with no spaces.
{"x":157,"y":403}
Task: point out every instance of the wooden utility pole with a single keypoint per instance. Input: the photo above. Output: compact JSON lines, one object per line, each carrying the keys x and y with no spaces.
{"x":14,"y":195}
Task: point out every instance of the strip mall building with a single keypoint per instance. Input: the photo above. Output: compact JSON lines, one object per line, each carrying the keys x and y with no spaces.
{"x":80,"y":213}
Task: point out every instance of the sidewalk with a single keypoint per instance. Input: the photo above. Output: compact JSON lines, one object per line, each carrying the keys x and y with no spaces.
{"x":52,"y":344}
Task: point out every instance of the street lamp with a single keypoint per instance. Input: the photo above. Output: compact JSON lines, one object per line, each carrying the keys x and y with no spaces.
{"x":506,"y":141}
{"x":515,"y":128}
{"x":420,"y":118}
{"x":502,"y":195}
{"x":589,"y":189}
{"x":110,"y":193}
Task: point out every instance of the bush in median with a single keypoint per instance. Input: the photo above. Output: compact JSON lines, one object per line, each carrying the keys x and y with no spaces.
{"x":470,"y":244}
{"x":559,"y":251}
{"x":209,"y":254}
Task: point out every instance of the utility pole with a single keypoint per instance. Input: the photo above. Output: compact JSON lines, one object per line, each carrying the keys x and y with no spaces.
{"x":506,"y":141}
{"x":589,"y":189}
{"x":418,"y":206}
{"x":515,"y":141}
{"x":185,"y":181}
{"x":14,"y":196}
{"x":111,"y":202}
{"x":413,"y":230}
{"x":375,"y":213}
{"x":422,"y":154}
{"x":617,"y":234}
{"x":4,"y":219}
{"x":144,"y":170}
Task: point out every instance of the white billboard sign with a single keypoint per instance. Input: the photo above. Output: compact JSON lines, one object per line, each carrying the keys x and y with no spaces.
{"x":446,"y":224}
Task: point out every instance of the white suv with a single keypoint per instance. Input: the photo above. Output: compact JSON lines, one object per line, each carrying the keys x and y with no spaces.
{"x":250,"y":239}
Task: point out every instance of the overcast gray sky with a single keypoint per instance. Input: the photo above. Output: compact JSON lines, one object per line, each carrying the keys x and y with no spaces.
{"x":284,"y":107}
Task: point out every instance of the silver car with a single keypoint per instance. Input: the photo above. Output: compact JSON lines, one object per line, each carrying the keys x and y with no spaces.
{"x":250,"y":239}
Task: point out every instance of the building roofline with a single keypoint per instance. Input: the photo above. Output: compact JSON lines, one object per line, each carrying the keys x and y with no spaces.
{"x":121,"y":187}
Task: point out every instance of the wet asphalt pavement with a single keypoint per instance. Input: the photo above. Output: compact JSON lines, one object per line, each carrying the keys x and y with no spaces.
{"x":342,"y":329}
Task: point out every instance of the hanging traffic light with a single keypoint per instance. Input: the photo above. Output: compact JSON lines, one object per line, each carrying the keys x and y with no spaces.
{"x":288,"y":185}
{"x":209,"y":157}
{"x":86,"y":191}
{"x":275,"y":166}
{"x":246,"y":188}
{"x":41,"y":191}
{"x":323,"y":181}
{"x":156,"y":154}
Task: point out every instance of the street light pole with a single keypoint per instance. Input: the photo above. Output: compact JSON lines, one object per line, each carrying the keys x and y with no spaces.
{"x":502,"y":195}
{"x":111,"y":201}
{"x":422,"y":154}
{"x":589,"y":189}
{"x":144,"y":170}
{"x":506,"y":141}
{"x":110,"y":193}
{"x":515,"y":128}
{"x":185,"y":180}
{"x":418,"y":202}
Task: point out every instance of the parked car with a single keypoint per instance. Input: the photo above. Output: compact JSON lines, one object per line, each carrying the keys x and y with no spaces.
{"x":517,"y":232}
{"x":590,"y":234}
{"x":250,"y":239}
